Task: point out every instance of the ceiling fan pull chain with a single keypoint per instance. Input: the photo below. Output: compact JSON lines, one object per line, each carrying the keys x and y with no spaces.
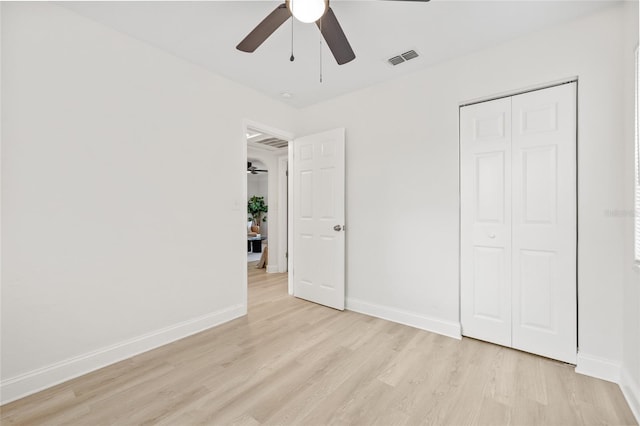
{"x":292,"y":58}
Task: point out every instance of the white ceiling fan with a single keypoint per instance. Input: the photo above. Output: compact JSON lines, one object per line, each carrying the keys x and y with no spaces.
{"x":306,"y":11}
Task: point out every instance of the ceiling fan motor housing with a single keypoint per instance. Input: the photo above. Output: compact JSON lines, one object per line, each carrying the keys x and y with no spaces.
{"x":307,"y":11}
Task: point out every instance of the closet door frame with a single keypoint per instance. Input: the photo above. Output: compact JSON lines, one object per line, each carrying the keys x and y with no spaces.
{"x":568,"y":336}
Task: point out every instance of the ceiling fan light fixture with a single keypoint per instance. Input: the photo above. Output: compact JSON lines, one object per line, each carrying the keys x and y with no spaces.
{"x":308,"y":11}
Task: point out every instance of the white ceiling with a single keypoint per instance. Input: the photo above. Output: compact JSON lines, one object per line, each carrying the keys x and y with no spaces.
{"x":206,"y":33}
{"x":257,"y":163}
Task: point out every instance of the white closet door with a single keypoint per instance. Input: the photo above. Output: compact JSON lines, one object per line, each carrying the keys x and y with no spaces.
{"x":544,"y":222}
{"x":485,"y":250}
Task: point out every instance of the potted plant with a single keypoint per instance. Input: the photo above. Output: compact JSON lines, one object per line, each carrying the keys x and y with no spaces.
{"x":256,"y":209}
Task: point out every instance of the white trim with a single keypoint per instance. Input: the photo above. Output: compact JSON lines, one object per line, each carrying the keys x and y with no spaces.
{"x":600,"y":368}
{"x":520,"y":91}
{"x":42,"y":378}
{"x":412,"y":319}
{"x":272,"y":269}
{"x":283,"y":195}
{"x":631,"y":391}
{"x":636,"y":162}
{"x":241,"y":206}
{"x":290,"y":221}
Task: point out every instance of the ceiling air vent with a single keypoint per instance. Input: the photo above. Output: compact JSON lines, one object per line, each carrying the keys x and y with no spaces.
{"x":409,"y":55}
{"x":396,"y":60}
{"x":273,"y":143}
{"x":257,"y":139}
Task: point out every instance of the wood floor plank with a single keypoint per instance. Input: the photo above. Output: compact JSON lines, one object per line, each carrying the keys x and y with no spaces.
{"x":292,"y":362}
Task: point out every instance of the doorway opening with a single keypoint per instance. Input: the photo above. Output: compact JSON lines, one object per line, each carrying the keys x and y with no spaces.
{"x":308,"y":223}
{"x":266,"y":197}
{"x":257,"y":212}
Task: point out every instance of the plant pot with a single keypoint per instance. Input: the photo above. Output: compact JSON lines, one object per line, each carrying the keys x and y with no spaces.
{"x":255,"y":228}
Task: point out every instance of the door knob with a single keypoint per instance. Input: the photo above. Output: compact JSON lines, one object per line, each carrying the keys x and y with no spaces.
{"x":337,"y":228}
{"x":492,"y":236}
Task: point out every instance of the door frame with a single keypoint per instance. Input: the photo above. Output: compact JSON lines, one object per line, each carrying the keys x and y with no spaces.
{"x":283,"y":212}
{"x":241,"y":204}
{"x":291,"y":174}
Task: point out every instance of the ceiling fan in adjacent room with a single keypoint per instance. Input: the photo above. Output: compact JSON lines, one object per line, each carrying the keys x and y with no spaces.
{"x":254,"y":170}
{"x":306,"y":11}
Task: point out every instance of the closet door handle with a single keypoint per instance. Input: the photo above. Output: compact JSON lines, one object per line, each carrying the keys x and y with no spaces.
{"x":492,"y":236}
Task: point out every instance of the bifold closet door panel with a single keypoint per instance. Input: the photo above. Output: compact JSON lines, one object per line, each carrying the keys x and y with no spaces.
{"x":544,"y":222}
{"x":485,"y":192}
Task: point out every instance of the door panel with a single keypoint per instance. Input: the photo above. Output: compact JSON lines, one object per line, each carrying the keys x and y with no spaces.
{"x":489,"y":282}
{"x":485,"y":268}
{"x":544,"y":222}
{"x":306,"y":194}
{"x":541,"y":117}
{"x":489,"y":191}
{"x":318,"y":205}
{"x":537,"y":286}
{"x":539,"y":191}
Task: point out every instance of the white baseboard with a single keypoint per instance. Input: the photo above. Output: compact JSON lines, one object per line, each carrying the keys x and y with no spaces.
{"x":597,"y":367}
{"x":34,"y":381}
{"x":446,"y":328}
{"x":631,"y":390}
{"x":272,"y":269}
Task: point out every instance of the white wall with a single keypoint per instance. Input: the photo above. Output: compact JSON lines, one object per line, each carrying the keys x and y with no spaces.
{"x":402,"y":179}
{"x":119,"y":233}
{"x":630,"y":380}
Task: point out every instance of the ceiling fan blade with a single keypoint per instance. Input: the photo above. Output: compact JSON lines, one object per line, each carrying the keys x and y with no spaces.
{"x":264,"y":29}
{"x":335,"y":38}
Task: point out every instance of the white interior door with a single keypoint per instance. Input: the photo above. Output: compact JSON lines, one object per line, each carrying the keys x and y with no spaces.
{"x":318,"y":218}
{"x":519,"y":222}
{"x":544,"y":222}
{"x":485,"y":214}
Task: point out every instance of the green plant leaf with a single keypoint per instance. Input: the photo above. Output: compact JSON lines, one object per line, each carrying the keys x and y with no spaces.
{"x":256,"y":208}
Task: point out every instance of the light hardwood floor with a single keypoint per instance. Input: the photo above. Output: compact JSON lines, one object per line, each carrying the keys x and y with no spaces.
{"x":291,"y":362}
